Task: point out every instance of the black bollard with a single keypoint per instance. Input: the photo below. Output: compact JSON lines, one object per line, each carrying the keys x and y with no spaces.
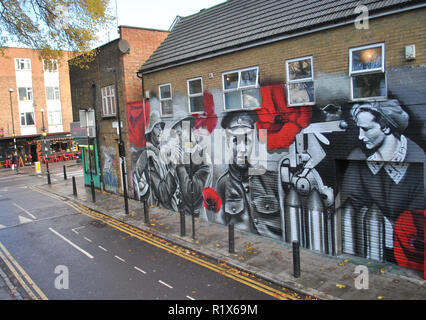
{"x":231,"y":238}
{"x":296,"y":259}
{"x":74,"y":187}
{"x":48,"y":178}
{"x":182,"y":224}
{"x":145,"y":211}
{"x":65,"y":173}
{"x":92,"y":187}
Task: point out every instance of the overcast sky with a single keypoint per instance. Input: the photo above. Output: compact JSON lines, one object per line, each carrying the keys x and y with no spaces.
{"x":154,"y":14}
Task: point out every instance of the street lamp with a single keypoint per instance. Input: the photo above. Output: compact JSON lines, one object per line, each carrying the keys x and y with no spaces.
{"x":45,"y":148}
{"x":13,"y":129}
{"x":121,"y":149}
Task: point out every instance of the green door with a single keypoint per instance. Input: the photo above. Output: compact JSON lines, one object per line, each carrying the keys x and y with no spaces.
{"x":93,"y":161}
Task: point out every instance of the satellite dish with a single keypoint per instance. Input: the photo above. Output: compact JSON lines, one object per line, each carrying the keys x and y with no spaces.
{"x":123,"y":46}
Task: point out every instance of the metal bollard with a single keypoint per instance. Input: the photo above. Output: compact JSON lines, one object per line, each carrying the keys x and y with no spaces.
{"x":146,"y":212}
{"x":182,"y":224}
{"x":296,"y":259}
{"x":48,"y":178}
{"x":231,"y":238}
{"x":74,"y":187}
{"x":65,"y":173}
{"x":92,"y":187}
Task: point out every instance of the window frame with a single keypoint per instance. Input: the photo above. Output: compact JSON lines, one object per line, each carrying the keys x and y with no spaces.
{"x":25,"y":117}
{"x":165,"y":99}
{"x":27,"y":61}
{"x":240,"y":88}
{"x":56,"y":94}
{"x":381,"y":70}
{"x":28,"y":92}
{"x":303,"y":80}
{"x":195,"y":95}
{"x":49,"y":117}
{"x":54,"y":63}
{"x":105,"y":98}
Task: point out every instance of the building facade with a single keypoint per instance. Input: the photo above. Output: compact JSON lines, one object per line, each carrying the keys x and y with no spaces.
{"x":95,"y":87}
{"x":36,"y":98}
{"x":294,"y":122}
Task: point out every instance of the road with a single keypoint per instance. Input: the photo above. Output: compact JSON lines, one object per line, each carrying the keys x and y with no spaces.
{"x":70,"y":256}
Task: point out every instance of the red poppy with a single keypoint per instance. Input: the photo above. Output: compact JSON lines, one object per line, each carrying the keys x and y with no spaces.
{"x":211,"y":200}
{"x":409,"y":239}
{"x":281,"y":122}
{"x":208,"y":120}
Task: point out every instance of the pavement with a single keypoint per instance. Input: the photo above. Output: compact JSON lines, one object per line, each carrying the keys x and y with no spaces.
{"x":322,"y":276}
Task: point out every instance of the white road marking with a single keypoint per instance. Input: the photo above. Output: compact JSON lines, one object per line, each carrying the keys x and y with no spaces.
{"x":24,"y":220}
{"x":71,"y":243}
{"x":26,"y":211}
{"x":88,"y":239}
{"x":121,"y":259}
{"x":190,"y":298}
{"x":140,"y":270}
{"x":165,"y":284}
{"x":102,"y":248}
{"x":75,"y":229}
{"x":2,"y":226}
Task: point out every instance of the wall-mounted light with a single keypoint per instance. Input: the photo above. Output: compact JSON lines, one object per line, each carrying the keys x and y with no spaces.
{"x":410,"y":52}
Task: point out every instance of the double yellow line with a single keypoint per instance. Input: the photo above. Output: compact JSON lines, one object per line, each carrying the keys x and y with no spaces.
{"x":23,"y":278}
{"x":189,"y":255}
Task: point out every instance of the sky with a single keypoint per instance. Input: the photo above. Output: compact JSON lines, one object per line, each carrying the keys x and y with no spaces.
{"x":153,"y":14}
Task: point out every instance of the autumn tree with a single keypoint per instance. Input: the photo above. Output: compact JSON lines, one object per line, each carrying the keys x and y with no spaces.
{"x":54,"y":25}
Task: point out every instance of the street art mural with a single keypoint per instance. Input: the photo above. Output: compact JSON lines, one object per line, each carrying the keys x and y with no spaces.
{"x":108,"y":169}
{"x":339,"y":176}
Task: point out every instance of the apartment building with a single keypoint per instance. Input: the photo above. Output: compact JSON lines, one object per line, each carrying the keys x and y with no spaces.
{"x":35,"y":98}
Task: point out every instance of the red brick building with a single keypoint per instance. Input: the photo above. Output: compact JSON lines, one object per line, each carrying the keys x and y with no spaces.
{"x":35,"y":93}
{"x":95,"y":88}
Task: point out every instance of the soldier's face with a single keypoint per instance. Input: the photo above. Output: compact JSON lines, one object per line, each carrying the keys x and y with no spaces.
{"x":370,"y":132}
{"x":156,"y":133}
{"x":241,"y":144}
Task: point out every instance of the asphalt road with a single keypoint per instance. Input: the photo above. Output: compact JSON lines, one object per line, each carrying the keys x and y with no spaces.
{"x":71,"y":256}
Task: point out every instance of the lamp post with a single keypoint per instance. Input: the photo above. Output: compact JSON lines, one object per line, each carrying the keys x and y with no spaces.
{"x":45,"y":149}
{"x":121,"y":149}
{"x":13,"y":129}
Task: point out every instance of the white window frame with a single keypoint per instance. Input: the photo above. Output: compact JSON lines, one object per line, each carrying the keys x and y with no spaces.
{"x":49,"y":117}
{"x":289,"y":81}
{"x":353,"y":74}
{"x":28,"y":94}
{"x":25,"y":117}
{"x":195,"y":95}
{"x":54,"y":63}
{"x":239,"y":88}
{"x":56,"y":94}
{"x":108,"y":101}
{"x":165,"y":99}
{"x":25,"y":61}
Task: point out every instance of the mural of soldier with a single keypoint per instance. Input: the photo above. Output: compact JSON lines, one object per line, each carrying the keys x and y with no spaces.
{"x":250,"y":202}
{"x":198,"y":171}
{"x":151,"y":171}
{"x":384,"y":177}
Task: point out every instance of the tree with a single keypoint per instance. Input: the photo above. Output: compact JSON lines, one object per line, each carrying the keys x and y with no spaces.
{"x":54,"y":25}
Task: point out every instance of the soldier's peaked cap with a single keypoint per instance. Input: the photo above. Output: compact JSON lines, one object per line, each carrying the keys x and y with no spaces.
{"x":239,"y":119}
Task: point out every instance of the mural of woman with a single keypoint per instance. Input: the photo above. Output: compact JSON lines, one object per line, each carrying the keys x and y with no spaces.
{"x":384,"y":173}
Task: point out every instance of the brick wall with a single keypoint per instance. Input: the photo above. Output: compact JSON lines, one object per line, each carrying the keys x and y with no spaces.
{"x":8,"y":80}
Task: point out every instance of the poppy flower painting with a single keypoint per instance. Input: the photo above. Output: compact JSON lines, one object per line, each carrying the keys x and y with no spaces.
{"x":211,"y":200}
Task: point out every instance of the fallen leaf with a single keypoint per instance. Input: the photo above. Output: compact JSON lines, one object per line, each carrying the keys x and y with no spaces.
{"x":340,"y":286}
{"x":380,"y":297}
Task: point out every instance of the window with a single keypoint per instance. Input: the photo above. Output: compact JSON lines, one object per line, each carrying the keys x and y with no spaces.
{"x":54,"y":117}
{"x":241,"y":89}
{"x":25,"y":94}
{"x":108,"y":101}
{"x":50,"y":65}
{"x":195,"y":95}
{"x":300,"y":82}
{"x":27,"y":119}
{"x":52,"y":93}
{"x":367,"y":72}
{"x":166,"y":99}
{"x":22,"y":64}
